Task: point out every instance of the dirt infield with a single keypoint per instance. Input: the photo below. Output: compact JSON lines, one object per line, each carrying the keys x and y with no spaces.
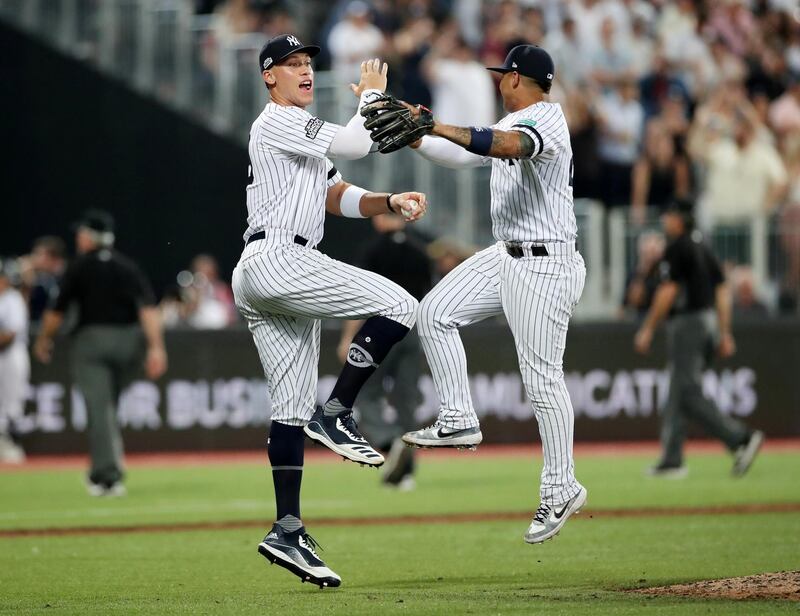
{"x":781,"y":585}
{"x":453,"y":518}
{"x":316,"y":455}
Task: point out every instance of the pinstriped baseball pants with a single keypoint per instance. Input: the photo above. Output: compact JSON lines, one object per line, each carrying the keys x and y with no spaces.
{"x":537,"y":296}
{"x":283,"y":290}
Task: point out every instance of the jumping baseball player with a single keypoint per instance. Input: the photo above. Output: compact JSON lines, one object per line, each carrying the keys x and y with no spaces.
{"x":283,"y":286}
{"x":533,"y":274}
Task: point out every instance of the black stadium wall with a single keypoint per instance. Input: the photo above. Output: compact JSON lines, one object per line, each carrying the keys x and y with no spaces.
{"x":214,"y":395}
{"x":75,"y":138}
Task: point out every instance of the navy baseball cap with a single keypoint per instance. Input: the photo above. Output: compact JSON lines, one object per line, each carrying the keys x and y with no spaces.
{"x":531,"y":61}
{"x":280,"y":47}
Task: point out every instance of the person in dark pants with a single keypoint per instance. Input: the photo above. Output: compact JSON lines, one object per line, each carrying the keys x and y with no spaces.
{"x":692,"y":286}
{"x":400,"y":257}
{"x":118,"y":328}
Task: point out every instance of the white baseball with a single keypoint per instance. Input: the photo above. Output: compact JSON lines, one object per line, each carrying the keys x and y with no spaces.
{"x":411,"y":207}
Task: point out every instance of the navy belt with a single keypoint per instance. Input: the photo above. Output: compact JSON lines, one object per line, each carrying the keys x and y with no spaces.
{"x":260,"y":235}
{"x":534,"y":251}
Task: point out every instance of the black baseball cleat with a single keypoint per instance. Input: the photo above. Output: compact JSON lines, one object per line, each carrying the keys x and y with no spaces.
{"x":340,"y":434}
{"x":296,"y":551}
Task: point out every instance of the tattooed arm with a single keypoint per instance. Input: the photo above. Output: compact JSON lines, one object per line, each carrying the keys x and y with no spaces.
{"x":505,"y":143}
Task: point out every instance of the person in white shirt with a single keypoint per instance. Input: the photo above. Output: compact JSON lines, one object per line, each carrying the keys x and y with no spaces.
{"x":621,"y":120}
{"x":351,"y":40}
{"x":14,"y":361}
{"x":463,"y":92}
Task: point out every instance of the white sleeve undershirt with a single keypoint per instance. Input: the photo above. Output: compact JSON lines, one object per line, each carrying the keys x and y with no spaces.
{"x":352,"y":141}
{"x":448,"y":154}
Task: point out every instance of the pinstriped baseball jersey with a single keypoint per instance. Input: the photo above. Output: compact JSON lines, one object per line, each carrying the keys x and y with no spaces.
{"x":531,"y":202}
{"x":289,"y":172}
{"x":532,"y":198}
{"x":284,"y":288}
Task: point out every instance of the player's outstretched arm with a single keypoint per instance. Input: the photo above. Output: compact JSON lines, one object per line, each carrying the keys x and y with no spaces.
{"x":490,"y":142}
{"x":352,"y":141}
{"x":344,"y":199}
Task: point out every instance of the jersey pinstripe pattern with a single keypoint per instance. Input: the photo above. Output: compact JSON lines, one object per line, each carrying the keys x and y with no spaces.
{"x":288,"y":162}
{"x":531,"y":204}
{"x":532,"y":198}
{"x":282,"y":288}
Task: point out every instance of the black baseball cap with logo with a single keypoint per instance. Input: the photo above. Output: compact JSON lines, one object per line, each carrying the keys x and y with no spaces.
{"x":280,"y":47}
{"x":531,"y":61}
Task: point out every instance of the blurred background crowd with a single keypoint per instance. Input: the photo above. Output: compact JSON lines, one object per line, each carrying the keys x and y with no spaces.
{"x":696,"y":99}
{"x":665,"y":99}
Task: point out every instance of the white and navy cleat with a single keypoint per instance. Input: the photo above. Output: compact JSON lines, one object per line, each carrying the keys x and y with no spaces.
{"x":548,"y":520}
{"x":438,"y":435}
{"x":340,"y":434}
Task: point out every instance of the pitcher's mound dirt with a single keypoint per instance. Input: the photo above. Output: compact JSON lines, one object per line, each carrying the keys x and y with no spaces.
{"x":782,"y":585}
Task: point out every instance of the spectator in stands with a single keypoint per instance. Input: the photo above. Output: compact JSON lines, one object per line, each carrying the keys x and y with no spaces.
{"x":644,"y":280}
{"x":746,"y":304}
{"x":789,"y":229}
{"x":784,"y":113}
{"x":641,"y":47}
{"x":723,"y":66}
{"x":583,"y":134}
{"x":660,"y":84}
{"x":568,"y":53}
{"x":660,"y":174}
{"x":353,"y":40}
{"x":41,"y":273}
{"x":734,"y":24}
{"x":745,"y":175}
{"x":210,"y":302}
{"x":621,"y":120}
{"x":462,"y":88}
{"x":411,"y":44}
{"x":611,"y":60}
{"x":14,"y":361}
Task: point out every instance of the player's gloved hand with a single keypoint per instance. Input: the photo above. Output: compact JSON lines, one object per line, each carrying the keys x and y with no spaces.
{"x":373,"y":77}
{"x":394,"y":124}
{"x":410,"y":205}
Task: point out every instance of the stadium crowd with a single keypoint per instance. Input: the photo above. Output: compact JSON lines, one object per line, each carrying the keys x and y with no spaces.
{"x":665,"y":99}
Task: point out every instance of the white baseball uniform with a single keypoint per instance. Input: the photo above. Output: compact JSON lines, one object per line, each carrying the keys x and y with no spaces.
{"x":282,"y":285}
{"x":14,"y":360}
{"x":531,"y":205}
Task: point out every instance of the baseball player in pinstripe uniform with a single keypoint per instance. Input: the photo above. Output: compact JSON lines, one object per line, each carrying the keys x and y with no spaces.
{"x":533,"y":274}
{"x":283,"y":286}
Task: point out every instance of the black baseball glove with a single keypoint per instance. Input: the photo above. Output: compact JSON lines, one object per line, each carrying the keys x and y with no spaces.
{"x":394,"y":124}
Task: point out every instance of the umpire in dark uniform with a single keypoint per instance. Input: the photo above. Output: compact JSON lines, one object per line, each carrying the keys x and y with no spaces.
{"x":400,"y":256}
{"x":118,"y":329}
{"x":695,"y":300}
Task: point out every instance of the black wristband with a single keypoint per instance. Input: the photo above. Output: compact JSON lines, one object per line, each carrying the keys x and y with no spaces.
{"x":389,"y":203}
{"x":480,"y":140}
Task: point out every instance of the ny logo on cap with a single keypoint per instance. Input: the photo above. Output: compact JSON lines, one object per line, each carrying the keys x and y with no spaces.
{"x":292,"y":40}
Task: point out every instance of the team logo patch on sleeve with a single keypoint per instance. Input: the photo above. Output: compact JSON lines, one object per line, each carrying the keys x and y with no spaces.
{"x":526,"y":122}
{"x":313,"y":126}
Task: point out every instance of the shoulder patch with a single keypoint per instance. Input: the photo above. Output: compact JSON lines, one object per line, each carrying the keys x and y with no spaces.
{"x":527,"y":122}
{"x":313,"y":126}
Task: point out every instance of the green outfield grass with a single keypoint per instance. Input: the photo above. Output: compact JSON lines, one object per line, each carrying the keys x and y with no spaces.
{"x":453,"y":568}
